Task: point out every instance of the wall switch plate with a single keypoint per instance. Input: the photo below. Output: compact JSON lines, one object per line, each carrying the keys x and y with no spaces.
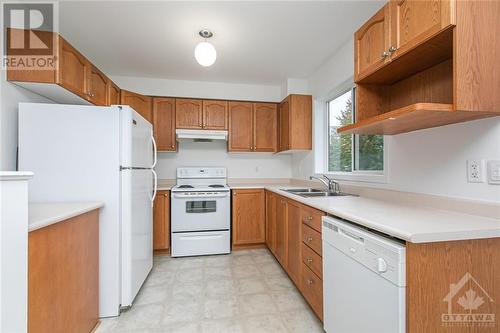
{"x":475,"y":171}
{"x":494,"y":172}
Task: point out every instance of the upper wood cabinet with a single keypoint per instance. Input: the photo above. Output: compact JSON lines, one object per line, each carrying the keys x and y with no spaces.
{"x":164,"y":123}
{"x":248,"y":217}
{"x":253,"y":127}
{"x":371,"y":44}
{"x":215,"y":115}
{"x":97,"y":89}
{"x":73,"y":69}
{"x":189,"y":113}
{"x":161,"y":221}
{"x":240,"y":126}
{"x":113,"y":93}
{"x":140,"y":103}
{"x":295,"y":123}
{"x":414,"y":21}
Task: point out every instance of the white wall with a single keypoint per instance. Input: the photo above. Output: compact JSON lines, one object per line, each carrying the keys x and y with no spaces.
{"x":244,"y":165}
{"x":10,"y":96}
{"x":240,"y":165}
{"x":429,"y":161}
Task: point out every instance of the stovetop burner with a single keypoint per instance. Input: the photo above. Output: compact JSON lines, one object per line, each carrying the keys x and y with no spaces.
{"x":216,"y":186}
{"x":186,"y":186}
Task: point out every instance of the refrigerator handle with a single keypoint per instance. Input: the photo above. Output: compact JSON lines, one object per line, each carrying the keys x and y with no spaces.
{"x":155,"y":186}
{"x":155,"y":152}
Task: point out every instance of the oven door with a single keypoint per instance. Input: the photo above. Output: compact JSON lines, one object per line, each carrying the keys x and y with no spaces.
{"x":193,"y":211}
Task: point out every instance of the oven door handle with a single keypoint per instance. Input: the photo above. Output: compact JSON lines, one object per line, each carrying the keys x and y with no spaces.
{"x":197,"y":196}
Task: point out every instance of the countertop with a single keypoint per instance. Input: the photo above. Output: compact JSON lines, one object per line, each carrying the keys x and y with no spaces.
{"x":412,"y":223}
{"x":41,"y":215}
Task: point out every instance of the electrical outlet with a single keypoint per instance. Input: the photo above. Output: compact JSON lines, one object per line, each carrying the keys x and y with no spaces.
{"x":475,"y":171}
{"x":494,"y":172}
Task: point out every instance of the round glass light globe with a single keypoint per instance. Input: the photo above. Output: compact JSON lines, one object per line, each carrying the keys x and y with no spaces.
{"x":205,"y":54}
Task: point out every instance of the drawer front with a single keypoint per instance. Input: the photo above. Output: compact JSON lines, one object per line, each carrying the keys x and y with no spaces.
{"x":312,"y":260}
{"x":311,"y":238}
{"x":312,"y":289}
{"x":312,"y":218}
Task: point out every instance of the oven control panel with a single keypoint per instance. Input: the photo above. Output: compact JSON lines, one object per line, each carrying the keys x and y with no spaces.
{"x":202,"y":172}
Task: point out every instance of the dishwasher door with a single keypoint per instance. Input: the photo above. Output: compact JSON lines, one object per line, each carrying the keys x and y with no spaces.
{"x":363,"y":280}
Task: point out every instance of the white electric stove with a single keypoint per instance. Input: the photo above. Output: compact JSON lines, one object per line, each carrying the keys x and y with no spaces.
{"x":200,"y":204}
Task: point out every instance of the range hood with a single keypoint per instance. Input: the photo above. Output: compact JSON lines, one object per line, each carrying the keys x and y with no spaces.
{"x":202,"y":135}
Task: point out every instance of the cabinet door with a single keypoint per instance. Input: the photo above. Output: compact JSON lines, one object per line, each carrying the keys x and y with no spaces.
{"x":73,"y":69}
{"x":164,"y":123}
{"x":97,"y":86}
{"x":281,"y":230}
{"x":215,"y":115}
{"x":284,"y":125}
{"x":271,"y":221}
{"x":414,"y":21}
{"x":140,"y":103}
{"x":161,"y":221}
{"x":265,"y":127}
{"x":293,"y":242}
{"x":371,"y":44}
{"x":248,"y":217}
{"x":113,"y":93}
{"x":240,"y":126}
{"x":188,"y":113}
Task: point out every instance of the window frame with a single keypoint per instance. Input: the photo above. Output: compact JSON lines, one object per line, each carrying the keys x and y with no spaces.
{"x":371,"y":176}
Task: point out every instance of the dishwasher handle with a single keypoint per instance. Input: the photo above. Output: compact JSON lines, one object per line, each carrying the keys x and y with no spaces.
{"x":351,"y":235}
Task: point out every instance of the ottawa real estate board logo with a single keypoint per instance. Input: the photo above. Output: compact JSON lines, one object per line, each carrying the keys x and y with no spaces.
{"x":29,"y":41}
{"x":469,"y":305}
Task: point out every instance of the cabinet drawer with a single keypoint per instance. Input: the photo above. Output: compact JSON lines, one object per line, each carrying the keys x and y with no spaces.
{"x":311,"y":238}
{"x":312,"y":260}
{"x":312,"y":289}
{"x":312,"y":217}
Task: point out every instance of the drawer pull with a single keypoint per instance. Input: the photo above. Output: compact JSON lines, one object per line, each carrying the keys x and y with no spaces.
{"x":309,"y":239}
{"x":309,"y":260}
{"x":309,"y":281}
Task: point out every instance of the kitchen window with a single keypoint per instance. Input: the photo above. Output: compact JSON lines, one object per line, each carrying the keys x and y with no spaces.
{"x":352,"y":155}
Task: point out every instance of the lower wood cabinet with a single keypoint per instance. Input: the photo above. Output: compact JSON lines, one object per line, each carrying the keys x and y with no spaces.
{"x":311,"y":287}
{"x":293,"y":241}
{"x":281,"y":253}
{"x":161,"y":222}
{"x":248,"y":217}
{"x":271,"y":199}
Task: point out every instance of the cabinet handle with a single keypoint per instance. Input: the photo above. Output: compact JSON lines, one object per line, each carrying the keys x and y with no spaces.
{"x":172,"y":146}
{"x":308,"y":218}
{"x":392,"y":49}
{"x":309,"y":281}
{"x":385,"y":54}
{"x":309,"y":239}
{"x":309,"y":260}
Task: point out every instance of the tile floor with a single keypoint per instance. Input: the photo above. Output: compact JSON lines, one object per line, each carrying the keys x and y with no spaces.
{"x":246,"y":291}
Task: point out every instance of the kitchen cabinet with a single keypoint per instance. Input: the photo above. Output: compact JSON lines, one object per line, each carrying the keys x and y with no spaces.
{"x":73,"y":69}
{"x":164,"y":123}
{"x":271,"y":202}
{"x":371,"y":44}
{"x":281,"y":253}
{"x":113,"y":93}
{"x":161,"y":222}
{"x":215,"y":115}
{"x":311,"y":287}
{"x":97,"y":89}
{"x":189,"y":113}
{"x":295,"y":123}
{"x":253,"y":127}
{"x":240,"y":126}
{"x":140,"y":103}
{"x":293,"y":241}
{"x":248,"y":217}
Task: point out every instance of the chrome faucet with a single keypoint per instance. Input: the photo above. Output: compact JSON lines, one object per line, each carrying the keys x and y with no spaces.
{"x":333,"y":186}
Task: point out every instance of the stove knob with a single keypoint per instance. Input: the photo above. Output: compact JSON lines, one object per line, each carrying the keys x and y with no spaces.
{"x":381,"y":265}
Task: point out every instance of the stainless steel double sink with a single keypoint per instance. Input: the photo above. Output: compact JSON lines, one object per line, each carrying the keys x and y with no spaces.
{"x":312,"y":192}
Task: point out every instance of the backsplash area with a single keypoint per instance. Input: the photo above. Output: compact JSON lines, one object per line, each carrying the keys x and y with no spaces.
{"x":239,"y":165}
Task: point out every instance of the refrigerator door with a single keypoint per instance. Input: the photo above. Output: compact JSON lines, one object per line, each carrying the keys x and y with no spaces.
{"x":137,"y":231}
{"x":138,"y":148}
{"x":74,"y":152}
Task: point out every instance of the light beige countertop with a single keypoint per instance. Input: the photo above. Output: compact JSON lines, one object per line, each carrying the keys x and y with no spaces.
{"x":415,"y":223}
{"x":41,"y":215}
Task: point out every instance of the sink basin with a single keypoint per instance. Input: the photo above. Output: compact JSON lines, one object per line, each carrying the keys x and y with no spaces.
{"x":303,"y":190}
{"x":311,"y":192}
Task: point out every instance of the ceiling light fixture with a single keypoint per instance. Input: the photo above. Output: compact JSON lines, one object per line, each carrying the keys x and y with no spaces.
{"x":205,"y":52}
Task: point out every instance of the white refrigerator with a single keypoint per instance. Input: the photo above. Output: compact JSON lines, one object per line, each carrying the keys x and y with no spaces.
{"x":93,"y":153}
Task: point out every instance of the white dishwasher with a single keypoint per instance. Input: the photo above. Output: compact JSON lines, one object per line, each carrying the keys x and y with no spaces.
{"x":364,"y":280}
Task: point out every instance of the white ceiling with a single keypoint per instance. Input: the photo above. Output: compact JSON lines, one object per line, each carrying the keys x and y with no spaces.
{"x":259,"y":42}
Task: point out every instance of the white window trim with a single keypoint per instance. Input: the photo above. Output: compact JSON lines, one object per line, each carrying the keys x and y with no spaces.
{"x":356,"y":175}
